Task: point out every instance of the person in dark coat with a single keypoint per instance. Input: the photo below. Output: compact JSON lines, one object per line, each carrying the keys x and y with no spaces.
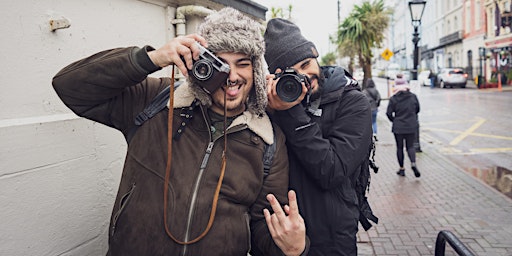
{"x":328,"y":135}
{"x":403,"y":109}
{"x":374,"y":98}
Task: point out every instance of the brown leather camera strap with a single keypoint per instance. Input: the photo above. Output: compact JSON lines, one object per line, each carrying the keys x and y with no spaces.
{"x":168,"y":170}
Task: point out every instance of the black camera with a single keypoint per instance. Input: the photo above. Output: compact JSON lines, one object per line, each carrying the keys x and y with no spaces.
{"x":209,"y":71}
{"x":289,"y":85}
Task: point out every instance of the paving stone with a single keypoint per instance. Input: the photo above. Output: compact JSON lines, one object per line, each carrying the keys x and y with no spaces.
{"x":412,"y":211}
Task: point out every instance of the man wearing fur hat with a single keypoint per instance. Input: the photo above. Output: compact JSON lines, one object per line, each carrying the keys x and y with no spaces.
{"x":211,"y":196}
{"x":328,"y":134}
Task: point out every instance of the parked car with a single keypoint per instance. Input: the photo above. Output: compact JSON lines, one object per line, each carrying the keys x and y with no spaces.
{"x":450,"y":77}
{"x":423,"y":78}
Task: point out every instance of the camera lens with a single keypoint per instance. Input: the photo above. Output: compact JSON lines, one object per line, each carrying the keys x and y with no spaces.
{"x":289,"y":88}
{"x":202,"y":70}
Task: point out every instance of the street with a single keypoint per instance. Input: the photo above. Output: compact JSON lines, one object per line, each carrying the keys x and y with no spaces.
{"x":468,"y":126}
{"x":465,"y":141}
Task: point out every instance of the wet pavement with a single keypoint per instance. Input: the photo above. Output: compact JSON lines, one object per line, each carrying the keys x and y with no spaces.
{"x":412,"y":211}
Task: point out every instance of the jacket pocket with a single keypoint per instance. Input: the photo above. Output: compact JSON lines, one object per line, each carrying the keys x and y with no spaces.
{"x":125,"y":199}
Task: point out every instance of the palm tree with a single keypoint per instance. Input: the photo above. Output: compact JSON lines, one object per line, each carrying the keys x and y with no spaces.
{"x":362,"y":31}
{"x":329,"y":59}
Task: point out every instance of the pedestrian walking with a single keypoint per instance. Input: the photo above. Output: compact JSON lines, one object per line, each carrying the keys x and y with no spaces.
{"x":374,"y":98}
{"x":402,"y":111}
{"x":432,"y":78}
{"x":213,"y":197}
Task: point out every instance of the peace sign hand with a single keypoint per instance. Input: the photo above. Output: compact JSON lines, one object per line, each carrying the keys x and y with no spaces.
{"x":286,"y":225}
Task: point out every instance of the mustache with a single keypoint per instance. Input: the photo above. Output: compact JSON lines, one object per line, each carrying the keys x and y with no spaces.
{"x":235,"y":83}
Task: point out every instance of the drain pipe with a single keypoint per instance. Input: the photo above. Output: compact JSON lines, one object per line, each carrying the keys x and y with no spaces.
{"x":183,"y":11}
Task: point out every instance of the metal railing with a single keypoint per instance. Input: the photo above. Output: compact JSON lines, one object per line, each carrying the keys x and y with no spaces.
{"x":444,"y":236}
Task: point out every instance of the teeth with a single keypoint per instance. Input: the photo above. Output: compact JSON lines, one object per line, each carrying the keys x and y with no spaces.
{"x":233,"y":88}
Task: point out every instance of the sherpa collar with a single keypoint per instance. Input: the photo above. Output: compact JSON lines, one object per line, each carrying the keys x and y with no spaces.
{"x":183,"y":97}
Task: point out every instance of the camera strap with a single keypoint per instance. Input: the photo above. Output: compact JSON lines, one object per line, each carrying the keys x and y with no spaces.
{"x":168,"y":171}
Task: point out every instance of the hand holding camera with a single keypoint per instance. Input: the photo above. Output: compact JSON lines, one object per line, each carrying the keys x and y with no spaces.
{"x":289,"y":84}
{"x":209,"y":71}
{"x":187,"y":53}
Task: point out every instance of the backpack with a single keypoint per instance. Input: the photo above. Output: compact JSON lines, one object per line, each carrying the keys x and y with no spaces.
{"x":159,"y":102}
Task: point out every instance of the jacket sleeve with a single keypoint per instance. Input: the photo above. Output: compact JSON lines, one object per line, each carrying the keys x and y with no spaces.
{"x":331,"y":159}
{"x":417,"y":102}
{"x":276,"y":183}
{"x":391,"y":109}
{"x":110,"y":87}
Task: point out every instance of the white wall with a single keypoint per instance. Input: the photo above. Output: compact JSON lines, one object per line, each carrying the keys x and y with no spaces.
{"x":59,"y":173}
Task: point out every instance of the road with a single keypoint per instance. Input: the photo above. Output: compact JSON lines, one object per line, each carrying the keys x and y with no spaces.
{"x":470,"y":127}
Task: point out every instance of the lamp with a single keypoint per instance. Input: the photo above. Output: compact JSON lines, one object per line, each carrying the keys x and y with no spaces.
{"x":481,"y":54}
{"x":416,"y":7}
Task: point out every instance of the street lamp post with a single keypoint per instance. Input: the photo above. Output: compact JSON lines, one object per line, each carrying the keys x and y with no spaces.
{"x":416,"y":8}
{"x":481,"y":79}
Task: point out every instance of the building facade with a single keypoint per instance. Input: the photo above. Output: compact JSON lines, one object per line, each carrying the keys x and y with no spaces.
{"x":497,"y":48}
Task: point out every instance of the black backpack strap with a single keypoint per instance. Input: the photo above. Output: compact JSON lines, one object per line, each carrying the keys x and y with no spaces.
{"x":268,"y":157}
{"x":157,"y":104}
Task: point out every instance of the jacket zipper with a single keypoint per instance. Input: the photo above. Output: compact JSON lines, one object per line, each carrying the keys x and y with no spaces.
{"x":198,"y":181}
{"x":199,"y":177}
{"x":248,"y":226}
{"x":194,"y":194}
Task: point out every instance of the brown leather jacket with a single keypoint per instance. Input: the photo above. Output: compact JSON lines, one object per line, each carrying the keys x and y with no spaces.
{"x":112,"y":87}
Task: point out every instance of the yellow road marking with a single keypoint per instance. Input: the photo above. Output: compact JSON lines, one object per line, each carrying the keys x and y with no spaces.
{"x":472,"y":134}
{"x":490,"y":150}
{"x":467,"y":132}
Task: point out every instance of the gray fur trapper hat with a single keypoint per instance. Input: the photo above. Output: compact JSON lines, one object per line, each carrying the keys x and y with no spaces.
{"x":228,"y":30}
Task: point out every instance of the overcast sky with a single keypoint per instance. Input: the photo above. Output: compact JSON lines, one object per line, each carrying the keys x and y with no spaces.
{"x":317,"y":21}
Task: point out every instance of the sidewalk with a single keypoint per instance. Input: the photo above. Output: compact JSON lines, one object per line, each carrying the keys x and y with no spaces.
{"x":413,"y":210}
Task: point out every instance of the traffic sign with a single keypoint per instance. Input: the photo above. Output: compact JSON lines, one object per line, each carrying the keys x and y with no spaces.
{"x":386,"y":54}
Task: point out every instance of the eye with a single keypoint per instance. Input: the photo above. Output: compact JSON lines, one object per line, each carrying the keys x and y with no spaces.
{"x":244,"y":63}
{"x":305,"y":64}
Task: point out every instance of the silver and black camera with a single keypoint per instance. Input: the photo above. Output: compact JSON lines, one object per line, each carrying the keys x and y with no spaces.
{"x":289,"y":85}
{"x":209,"y":71}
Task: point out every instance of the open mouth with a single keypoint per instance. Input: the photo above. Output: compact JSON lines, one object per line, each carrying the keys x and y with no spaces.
{"x":232,"y":90}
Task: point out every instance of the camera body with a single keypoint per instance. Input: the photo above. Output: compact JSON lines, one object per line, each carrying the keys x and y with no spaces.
{"x":209,"y":71}
{"x":289,"y":85}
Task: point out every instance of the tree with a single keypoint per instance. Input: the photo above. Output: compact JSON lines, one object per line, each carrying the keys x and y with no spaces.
{"x":328,"y":60}
{"x":362,"y":31}
{"x":280,"y":13}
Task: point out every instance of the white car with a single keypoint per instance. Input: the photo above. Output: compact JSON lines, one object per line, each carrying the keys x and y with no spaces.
{"x":450,"y":77}
{"x":423,"y":78}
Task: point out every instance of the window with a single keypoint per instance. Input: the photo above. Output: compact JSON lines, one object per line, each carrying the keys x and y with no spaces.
{"x":467,"y":18}
{"x":478,"y":15}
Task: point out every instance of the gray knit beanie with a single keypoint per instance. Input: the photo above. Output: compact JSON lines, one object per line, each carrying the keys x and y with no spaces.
{"x":228,"y":30}
{"x":285,"y":45}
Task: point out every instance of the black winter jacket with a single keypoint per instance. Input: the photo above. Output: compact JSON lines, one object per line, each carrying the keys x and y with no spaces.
{"x":325,"y":153}
{"x":403,"y":109}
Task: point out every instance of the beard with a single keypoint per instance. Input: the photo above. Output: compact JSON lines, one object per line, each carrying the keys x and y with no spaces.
{"x":317,"y":93}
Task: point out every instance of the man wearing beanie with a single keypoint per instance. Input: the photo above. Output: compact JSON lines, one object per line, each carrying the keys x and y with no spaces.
{"x":328,"y":134}
{"x":212,"y":196}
